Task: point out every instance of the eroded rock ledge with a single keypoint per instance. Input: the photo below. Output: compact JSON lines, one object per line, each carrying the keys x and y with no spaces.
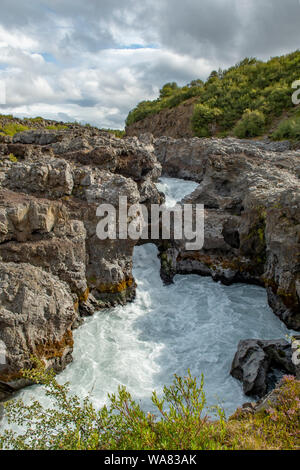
{"x":53,"y":268}
{"x":251,"y":193}
{"x":258,"y":363}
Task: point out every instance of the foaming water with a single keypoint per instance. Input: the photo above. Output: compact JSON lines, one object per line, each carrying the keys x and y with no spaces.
{"x":194,"y":323}
{"x":175,"y":189}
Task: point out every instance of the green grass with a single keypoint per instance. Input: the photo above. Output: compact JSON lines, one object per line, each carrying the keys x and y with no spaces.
{"x":13,"y":128}
{"x":116,"y":132}
{"x":35,"y":119}
{"x":6,"y":116}
{"x":57,"y":127}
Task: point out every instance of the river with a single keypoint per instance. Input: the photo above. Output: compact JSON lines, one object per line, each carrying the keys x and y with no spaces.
{"x":194,"y":323}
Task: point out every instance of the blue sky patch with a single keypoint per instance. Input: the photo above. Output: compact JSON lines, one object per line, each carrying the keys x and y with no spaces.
{"x":49,"y":57}
{"x":137,"y":46}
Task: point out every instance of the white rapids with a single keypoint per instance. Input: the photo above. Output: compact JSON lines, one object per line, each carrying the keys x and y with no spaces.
{"x":194,"y":323}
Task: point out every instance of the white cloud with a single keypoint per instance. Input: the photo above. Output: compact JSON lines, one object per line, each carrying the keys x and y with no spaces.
{"x":76,"y":59}
{"x":15,"y":38}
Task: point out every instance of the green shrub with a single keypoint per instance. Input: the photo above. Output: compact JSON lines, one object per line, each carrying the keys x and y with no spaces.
{"x":252,"y":124}
{"x":75,"y":424}
{"x":36,"y":119}
{"x":180,"y":424}
{"x":288,"y":129}
{"x":277,"y":98}
{"x":142,"y":110}
{"x":12,"y":158}
{"x":168,"y":89}
{"x":203,"y":119}
{"x":6,"y":116}
{"x":57,"y":127}
{"x":181,"y":95}
{"x":14,"y":128}
{"x":116,"y":132}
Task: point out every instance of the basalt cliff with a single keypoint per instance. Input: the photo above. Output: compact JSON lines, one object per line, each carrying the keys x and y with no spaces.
{"x":174,"y":122}
{"x":54,"y":270}
{"x":251,"y":194}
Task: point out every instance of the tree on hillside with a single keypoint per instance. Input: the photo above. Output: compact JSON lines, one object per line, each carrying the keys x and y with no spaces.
{"x":168,"y":89}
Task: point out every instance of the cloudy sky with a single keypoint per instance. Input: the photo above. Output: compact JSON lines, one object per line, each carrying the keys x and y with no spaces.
{"x":94,"y":60}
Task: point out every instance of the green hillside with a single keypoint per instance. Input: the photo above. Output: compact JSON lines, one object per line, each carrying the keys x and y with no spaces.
{"x":246,"y":100}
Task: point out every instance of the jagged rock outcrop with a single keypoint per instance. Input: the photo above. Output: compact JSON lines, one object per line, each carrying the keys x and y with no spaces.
{"x":277,"y":397}
{"x":171,"y":122}
{"x":36,"y":318}
{"x":251,"y":194}
{"x":256,"y":360}
{"x":53,"y":267}
{"x":48,"y":178}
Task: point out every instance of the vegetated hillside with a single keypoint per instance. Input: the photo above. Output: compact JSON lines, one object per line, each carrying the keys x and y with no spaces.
{"x":247,"y":100}
{"x":173,"y":122}
{"x":10,"y":125}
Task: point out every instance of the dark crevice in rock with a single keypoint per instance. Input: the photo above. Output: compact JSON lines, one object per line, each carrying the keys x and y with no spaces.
{"x":259,"y":364}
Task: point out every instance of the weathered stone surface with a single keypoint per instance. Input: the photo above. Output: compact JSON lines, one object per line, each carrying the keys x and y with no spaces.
{"x":109,"y":262}
{"x":37,"y":137}
{"x":130,"y":157}
{"x":62,"y":254}
{"x":36,"y":318}
{"x":251,"y":193}
{"x":87,"y":307}
{"x":254,"y":361}
{"x":53,"y":267}
{"x":51,"y":177}
{"x":6,"y":392}
{"x":22,"y":216}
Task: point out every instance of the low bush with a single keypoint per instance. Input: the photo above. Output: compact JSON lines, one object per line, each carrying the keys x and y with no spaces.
{"x":13,"y":158}
{"x":6,"y":116}
{"x":57,"y":127}
{"x":13,"y":128}
{"x":204,"y":119}
{"x":116,"y":132}
{"x":252,"y":124}
{"x":288,"y":129}
{"x":74,"y":424}
{"x":35,"y":119}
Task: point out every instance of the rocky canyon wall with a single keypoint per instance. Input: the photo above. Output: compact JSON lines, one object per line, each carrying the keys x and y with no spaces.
{"x":251,"y":195}
{"x":54,"y":270}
